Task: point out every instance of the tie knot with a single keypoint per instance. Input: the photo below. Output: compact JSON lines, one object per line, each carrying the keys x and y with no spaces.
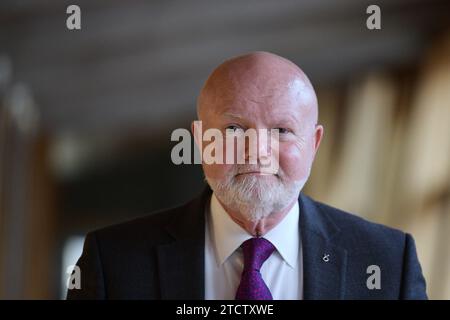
{"x":256,"y":251}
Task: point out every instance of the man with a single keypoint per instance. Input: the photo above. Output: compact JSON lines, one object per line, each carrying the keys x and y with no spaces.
{"x":254,"y":235}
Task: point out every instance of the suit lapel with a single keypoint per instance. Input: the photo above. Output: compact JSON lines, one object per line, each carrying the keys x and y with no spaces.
{"x":324,"y":264}
{"x":181,"y":262}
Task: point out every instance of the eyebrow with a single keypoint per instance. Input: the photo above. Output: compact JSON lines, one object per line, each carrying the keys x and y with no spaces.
{"x":233,"y":115}
{"x":288,"y":119}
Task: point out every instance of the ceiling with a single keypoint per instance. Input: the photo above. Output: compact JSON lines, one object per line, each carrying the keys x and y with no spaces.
{"x":140,"y":64}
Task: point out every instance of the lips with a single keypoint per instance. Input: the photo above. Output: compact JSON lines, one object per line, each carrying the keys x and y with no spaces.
{"x":256,"y":173}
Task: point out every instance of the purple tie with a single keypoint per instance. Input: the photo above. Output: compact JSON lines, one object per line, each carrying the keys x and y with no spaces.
{"x":252,"y":286}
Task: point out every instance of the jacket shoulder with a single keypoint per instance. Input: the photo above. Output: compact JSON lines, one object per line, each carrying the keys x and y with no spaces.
{"x":368,"y":243}
{"x":358,"y":230}
{"x":149,"y":229}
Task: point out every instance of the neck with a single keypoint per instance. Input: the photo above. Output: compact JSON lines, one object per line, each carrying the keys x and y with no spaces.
{"x":259,"y":227}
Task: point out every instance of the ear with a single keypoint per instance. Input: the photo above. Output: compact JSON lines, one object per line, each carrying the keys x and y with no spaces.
{"x":318,"y":135}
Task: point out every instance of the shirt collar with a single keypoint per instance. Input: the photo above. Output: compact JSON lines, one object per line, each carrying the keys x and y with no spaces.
{"x":228,"y":235}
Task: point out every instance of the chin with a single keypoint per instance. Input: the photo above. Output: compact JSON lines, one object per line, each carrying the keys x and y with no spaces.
{"x":255,"y":196}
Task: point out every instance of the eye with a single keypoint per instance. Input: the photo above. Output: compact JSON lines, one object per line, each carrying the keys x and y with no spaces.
{"x":234,"y":128}
{"x":282,"y":130}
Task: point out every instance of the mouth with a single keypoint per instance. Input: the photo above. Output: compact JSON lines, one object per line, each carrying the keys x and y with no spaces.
{"x":255,"y":173}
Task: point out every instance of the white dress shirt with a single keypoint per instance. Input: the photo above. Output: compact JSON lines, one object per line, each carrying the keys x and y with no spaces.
{"x":282,"y":271}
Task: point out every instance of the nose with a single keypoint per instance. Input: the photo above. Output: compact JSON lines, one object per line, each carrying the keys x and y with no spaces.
{"x":259,"y":151}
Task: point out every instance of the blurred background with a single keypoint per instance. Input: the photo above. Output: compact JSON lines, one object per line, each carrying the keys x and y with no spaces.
{"x":86,"y":117}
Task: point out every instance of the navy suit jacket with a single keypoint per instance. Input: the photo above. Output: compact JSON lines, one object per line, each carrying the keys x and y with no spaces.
{"x":161,"y":256}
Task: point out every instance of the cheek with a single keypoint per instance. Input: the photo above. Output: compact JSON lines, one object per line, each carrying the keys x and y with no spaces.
{"x":295,"y":161}
{"x":214,"y":170}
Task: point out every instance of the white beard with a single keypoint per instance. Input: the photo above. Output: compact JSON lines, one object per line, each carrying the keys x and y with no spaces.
{"x":256,"y":197}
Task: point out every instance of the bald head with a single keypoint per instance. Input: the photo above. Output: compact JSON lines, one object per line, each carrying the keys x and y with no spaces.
{"x":260,"y":77}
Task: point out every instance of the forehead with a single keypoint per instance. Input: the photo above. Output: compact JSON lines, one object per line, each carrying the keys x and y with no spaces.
{"x":279,"y":101}
{"x":260,"y":91}
{"x":246,"y":116}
